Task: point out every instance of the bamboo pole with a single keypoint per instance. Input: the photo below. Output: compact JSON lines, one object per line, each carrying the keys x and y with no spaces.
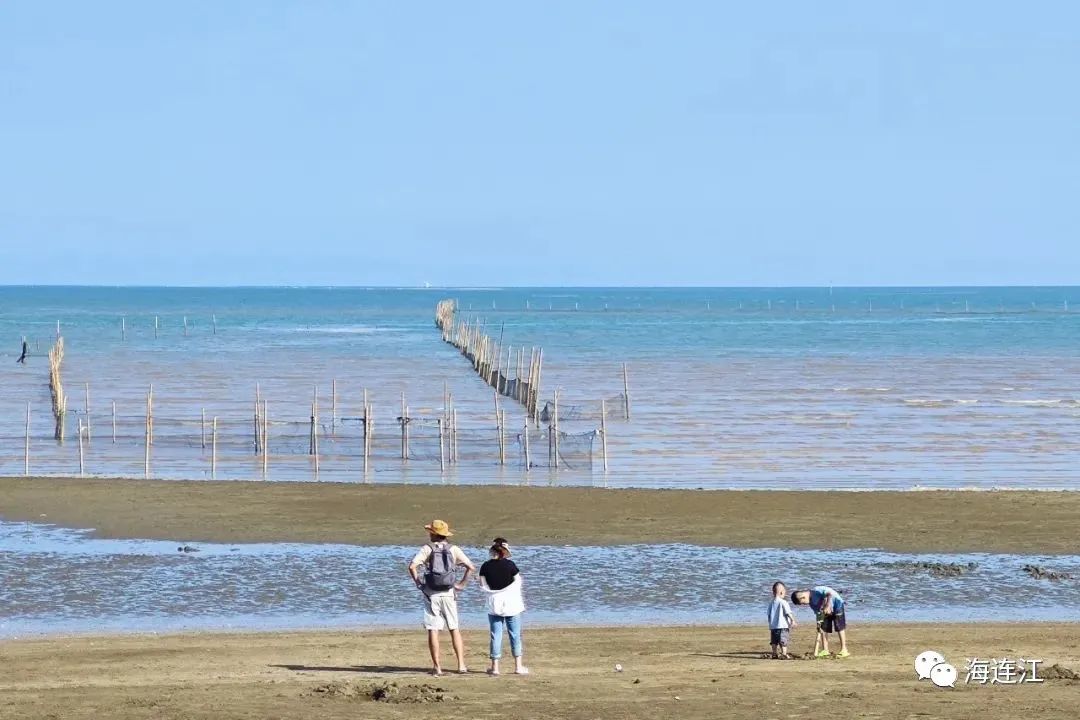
{"x":536,"y":386}
{"x":603,"y":431}
{"x":150,"y":414}
{"x":502,"y":437}
{"x":454,"y":434}
{"x":213,"y":319}
{"x":255,"y":418}
{"x":554,"y":427}
{"x":517,"y":375}
{"x":202,"y":430}
{"x":86,"y":410}
{"x":146,"y":439}
{"x":498,"y":428}
{"x":525,"y":443}
{"x":315,"y":431}
{"x":26,"y":450}
{"x":82,"y":463}
{"x":333,"y":408}
{"x":626,"y":391}
{"x":155,"y":327}
{"x":265,"y":439}
{"x":442,"y":464}
{"x":404,"y":438}
{"x":114,"y":422}
{"x":367,"y":429}
{"x":213,"y":450}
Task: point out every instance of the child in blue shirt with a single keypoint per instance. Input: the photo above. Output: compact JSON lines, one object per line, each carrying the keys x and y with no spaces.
{"x":828,"y":605}
{"x":781,"y":620}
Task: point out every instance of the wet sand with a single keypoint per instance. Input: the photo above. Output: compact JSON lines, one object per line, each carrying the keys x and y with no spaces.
{"x":932,"y":521}
{"x":676,"y":672}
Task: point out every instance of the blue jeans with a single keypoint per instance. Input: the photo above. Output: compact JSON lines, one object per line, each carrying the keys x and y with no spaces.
{"x":513,"y":628}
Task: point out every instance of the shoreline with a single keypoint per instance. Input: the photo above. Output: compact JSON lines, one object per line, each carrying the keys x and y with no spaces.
{"x":687,"y":672}
{"x":939,"y":521}
{"x":468,"y":626}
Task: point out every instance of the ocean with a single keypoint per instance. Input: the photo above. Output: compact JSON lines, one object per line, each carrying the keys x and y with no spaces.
{"x":819,"y":388}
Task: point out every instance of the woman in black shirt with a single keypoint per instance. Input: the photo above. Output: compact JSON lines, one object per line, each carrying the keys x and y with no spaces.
{"x":501,"y":581}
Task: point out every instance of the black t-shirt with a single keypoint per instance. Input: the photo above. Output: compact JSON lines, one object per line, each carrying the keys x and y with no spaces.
{"x":498,"y":573}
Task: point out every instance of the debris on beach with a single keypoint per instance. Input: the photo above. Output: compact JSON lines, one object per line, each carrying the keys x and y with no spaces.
{"x":1057,"y":672}
{"x":936,"y":569}
{"x":383,"y":692}
{"x":1039,"y":573}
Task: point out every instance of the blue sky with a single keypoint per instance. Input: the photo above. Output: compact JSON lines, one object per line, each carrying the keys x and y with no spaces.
{"x":566,"y":143}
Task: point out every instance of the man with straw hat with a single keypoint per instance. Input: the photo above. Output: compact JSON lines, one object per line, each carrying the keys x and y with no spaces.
{"x":440,"y":585}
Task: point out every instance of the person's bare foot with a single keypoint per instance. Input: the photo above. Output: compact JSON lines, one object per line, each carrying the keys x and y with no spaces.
{"x":436,"y":672}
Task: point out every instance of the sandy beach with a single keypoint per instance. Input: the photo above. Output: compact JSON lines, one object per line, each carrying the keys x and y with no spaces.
{"x":933,"y":521}
{"x":668,"y":672}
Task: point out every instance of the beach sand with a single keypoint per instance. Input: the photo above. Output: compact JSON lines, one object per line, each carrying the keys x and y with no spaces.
{"x":690,"y":673}
{"x":229,"y":512}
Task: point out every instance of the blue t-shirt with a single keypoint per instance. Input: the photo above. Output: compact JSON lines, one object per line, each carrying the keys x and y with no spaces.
{"x":817,"y":599}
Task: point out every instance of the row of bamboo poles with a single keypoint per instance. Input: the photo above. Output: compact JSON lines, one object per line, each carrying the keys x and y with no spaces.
{"x":500,"y":369}
{"x":260,"y":436}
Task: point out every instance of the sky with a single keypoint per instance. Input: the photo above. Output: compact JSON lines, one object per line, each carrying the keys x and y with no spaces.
{"x":551,"y":143}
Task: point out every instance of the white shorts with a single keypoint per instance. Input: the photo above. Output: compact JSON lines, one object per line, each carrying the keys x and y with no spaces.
{"x":440,"y":612}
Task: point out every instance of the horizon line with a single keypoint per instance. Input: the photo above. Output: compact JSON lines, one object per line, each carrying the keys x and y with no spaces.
{"x":522,"y":287}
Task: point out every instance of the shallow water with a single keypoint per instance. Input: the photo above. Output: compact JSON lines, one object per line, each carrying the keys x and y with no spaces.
{"x":55,"y":580}
{"x":774,"y":388}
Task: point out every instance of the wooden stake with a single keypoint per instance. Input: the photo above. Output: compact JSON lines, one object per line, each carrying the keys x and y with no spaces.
{"x":213,"y":319}
{"x":155,"y":327}
{"x":150,"y":414}
{"x":26,"y":450}
{"x":213,"y":450}
{"x":202,"y":430}
{"x":114,"y":422}
{"x":603,"y":431}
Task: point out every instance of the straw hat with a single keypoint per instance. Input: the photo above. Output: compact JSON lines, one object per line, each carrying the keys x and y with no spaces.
{"x":438,"y":527}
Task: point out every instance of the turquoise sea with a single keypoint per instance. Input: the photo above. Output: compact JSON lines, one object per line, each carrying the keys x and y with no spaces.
{"x":730,"y":387}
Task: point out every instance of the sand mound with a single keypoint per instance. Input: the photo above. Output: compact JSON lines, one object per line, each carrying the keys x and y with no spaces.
{"x":1058,"y":672}
{"x":383,"y":692}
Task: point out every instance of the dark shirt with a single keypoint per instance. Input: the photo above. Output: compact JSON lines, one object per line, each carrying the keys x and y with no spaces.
{"x":498,"y":574}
